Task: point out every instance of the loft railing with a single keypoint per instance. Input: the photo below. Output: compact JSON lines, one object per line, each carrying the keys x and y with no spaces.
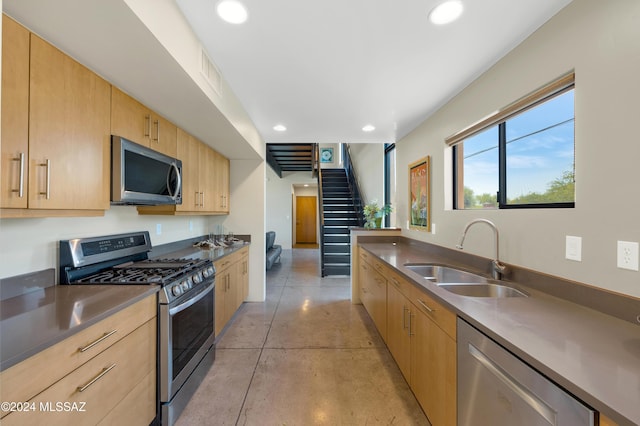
{"x":354,"y":188}
{"x":317,"y":170}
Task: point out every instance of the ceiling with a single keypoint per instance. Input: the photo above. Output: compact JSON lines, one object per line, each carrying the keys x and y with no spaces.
{"x":324,"y":69}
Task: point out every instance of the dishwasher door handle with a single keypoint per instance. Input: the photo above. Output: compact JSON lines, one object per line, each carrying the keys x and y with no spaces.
{"x":531,"y":399}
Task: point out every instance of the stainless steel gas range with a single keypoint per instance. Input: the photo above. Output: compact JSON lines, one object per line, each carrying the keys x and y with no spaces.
{"x":185,"y":305}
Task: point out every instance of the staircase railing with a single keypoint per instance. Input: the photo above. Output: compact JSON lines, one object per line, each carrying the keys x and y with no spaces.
{"x":354,"y":188}
{"x":318,"y":173}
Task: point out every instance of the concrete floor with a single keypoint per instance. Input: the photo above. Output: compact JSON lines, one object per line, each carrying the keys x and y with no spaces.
{"x":306,"y":356}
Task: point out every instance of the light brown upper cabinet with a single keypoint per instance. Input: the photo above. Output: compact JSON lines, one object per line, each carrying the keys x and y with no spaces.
{"x":221,"y":173}
{"x":15,"y":114}
{"x":205,"y":180}
{"x":62,"y":167}
{"x":134,"y":121}
{"x":68,"y":132}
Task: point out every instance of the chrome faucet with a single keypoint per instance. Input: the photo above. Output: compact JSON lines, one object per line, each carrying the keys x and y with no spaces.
{"x":498,"y":268}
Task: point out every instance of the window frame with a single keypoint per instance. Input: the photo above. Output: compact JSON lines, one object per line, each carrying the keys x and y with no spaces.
{"x":555,"y":88}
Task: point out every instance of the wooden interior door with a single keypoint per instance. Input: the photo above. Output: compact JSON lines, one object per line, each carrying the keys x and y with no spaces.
{"x":306,"y":220}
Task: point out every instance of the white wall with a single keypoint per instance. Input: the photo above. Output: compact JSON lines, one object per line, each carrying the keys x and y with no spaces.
{"x":368,"y":162}
{"x":247,"y":202}
{"x":600,"y":40}
{"x":28,"y":245}
{"x":279,"y":199}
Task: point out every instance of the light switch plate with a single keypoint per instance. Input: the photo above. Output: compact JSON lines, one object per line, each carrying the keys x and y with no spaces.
{"x":573,"y":248}
{"x":628,"y":255}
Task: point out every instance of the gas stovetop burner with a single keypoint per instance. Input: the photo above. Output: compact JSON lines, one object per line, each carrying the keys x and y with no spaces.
{"x":123,"y":259}
{"x":149,"y":271}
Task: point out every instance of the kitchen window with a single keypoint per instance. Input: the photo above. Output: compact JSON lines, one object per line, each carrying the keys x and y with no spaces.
{"x":523,"y":156}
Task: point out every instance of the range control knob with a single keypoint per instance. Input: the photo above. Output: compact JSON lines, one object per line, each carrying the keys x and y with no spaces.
{"x":185,"y":286}
{"x":176,"y":290}
{"x":197,"y":278}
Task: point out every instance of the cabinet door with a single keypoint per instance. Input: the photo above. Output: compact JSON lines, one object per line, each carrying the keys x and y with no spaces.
{"x":188,"y":152}
{"x":69,"y":132}
{"x":221,"y":294}
{"x":398,"y":340}
{"x":134,"y":121}
{"x":129,"y":118}
{"x":206,"y":178}
{"x":221,"y":188}
{"x":15,"y":114}
{"x":378,"y":286}
{"x":163,"y":135}
{"x":244,"y":273}
{"x":433,"y":369}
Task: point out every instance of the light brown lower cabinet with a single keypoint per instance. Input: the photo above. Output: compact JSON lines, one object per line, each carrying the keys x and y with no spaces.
{"x":232,"y":281}
{"x":433,"y":368}
{"x":115,"y":384}
{"x":421,"y":336}
{"x":398,"y":338}
{"x":373,"y":294}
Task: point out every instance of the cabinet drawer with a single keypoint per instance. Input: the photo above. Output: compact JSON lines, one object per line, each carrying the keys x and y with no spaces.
{"x":225,"y":262}
{"x":19,"y":383}
{"x":96,"y":387}
{"x":399,"y":282}
{"x":138,"y":407}
{"x":442,"y":316}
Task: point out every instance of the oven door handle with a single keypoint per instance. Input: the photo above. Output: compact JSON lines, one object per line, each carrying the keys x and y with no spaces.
{"x":185,"y":305}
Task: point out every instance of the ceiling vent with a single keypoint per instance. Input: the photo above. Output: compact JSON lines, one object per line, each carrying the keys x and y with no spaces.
{"x":210,"y":72}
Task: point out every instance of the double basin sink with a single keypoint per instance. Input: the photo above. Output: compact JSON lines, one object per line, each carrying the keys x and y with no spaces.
{"x":462,"y":282}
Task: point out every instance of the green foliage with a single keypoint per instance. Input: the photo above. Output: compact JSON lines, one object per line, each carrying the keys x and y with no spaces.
{"x":373,"y":211}
{"x":560,"y":190}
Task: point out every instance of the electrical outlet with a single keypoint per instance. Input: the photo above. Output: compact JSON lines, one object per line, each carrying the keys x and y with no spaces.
{"x":158,"y":229}
{"x":628,"y":255}
{"x":190,"y":225}
{"x":433,"y":228}
{"x":573,"y":248}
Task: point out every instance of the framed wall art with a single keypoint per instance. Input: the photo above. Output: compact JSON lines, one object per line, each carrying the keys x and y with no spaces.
{"x":419,"y":195}
{"x":326,"y":155}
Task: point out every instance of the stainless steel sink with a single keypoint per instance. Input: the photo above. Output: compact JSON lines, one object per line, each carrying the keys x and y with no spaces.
{"x":482,"y":290}
{"x":444,"y":274}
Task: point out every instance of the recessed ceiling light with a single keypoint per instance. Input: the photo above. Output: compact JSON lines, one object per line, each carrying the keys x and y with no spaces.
{"x":368,"y":128}
{"x":446,"y":12}
{"x":279,"y":128}
{"x":232,"y":11}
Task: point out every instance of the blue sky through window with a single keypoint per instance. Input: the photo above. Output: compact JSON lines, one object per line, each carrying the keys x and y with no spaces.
{"x":540,"y":148}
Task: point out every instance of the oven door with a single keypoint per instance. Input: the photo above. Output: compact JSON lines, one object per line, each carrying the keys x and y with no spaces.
{"x":186,"y":334}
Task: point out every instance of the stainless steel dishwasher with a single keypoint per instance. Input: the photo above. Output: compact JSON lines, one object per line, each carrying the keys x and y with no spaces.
{"x":498,"y":389}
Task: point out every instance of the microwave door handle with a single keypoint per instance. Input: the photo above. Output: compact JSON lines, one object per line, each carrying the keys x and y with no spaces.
{"x":176,"y":191}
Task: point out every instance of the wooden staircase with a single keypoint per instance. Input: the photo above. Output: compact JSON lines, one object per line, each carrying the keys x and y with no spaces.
{"x":339,"y":214}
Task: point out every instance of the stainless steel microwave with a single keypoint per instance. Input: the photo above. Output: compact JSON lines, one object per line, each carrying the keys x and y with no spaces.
{"x":142,"y":176}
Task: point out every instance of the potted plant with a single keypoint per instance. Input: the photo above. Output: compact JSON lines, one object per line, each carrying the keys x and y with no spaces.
{"x":373,"y":214}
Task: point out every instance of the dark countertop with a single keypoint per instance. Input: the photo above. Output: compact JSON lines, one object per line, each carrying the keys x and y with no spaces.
{"x":35,"y":321}
{"x":594,"y":356}
{"x":203,"y":253}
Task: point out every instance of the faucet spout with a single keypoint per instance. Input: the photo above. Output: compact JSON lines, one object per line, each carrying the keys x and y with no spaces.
{"x":498,"y":268}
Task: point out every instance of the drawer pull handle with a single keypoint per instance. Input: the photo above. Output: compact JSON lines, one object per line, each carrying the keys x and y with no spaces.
{"x":425,"y":306}
{"x":98,"y":377}
{"x":98,"y":340}
{"x":395,"y":282}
